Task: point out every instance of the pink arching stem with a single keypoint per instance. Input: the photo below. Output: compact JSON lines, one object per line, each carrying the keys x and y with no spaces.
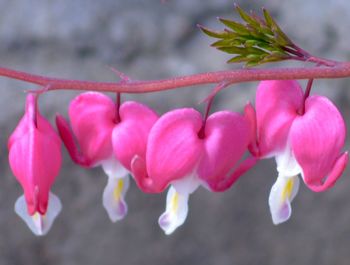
{"x":340,"y":70}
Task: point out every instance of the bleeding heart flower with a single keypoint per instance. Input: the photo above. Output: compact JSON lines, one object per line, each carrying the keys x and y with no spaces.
{"x":308,"y":143}
{"x":180,"y":154}
{"x":35,"y":160}
{"x":107,"y":141}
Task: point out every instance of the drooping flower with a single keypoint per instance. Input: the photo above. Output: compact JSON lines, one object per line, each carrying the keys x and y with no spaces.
{"x":178,"y":153}
{"x":307,"y":143}
{"x":35,"y":160}
{"x":107,"y":141}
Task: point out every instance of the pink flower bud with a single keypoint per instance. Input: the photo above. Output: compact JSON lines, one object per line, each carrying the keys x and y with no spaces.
{"x":35,"y":160}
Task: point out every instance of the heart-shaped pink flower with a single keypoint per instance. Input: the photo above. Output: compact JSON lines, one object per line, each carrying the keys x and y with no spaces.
{"x":308,"y":143}
{"x":178,"y":154}
{"x":107,"y":140}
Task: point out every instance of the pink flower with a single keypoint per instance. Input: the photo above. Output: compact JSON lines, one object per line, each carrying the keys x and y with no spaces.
{"x":306,"y":143}
{"x":108,"y":142}
{"x":35,"y":160}
{"x":180,"y":154}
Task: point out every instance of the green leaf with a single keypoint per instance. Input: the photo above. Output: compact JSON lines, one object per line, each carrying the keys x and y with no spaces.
{"x":237,"y":27}
{"x":267,"y":32}
{"x":269,"y":20}
{"x":253,"y":63}
{"x":270,"y":47}
{"x":214,"y":34}
{"x":253,"y":57}
{"x":256,"y":41}
{"x":233,"y":50}
{"x":228,"y":42}
{"x":237,"y":59}
{"x":250,"y":43}
{"x":282,"y":39}
{"x":250,"y":20}
{"x":276,"y":29}
{"x":276,"y":55}
{"x":253,"y":50}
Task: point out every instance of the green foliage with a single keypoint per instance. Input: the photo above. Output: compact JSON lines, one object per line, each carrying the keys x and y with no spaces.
{"x":256,"y":41}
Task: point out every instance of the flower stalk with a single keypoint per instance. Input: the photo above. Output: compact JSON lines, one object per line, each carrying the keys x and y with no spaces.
{"x":306,"y":95}
{"x":340,"y":70}
{"x":117,"y":107}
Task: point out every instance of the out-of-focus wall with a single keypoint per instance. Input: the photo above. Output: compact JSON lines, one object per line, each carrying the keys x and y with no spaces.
{"x":148,"y":40}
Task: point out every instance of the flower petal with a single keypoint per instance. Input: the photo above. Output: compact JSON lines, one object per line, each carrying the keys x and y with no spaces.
{"x":130,"y":136}
{"x":68,"y":139}
{"x":250,"y":115}
{"x":176,"y":211}
{"x":174,"y":147}
{"x":227,"y":136}
{"x":277,"y":103}
{"x":113,"y":168}
{"x":281,"y":195}
{"x":317,"y":138}
{"x":141,"y":177}
{"x":287,"y":165}
{"x":113,"y":198}
{"x":92,"y":117}
{"x":38,"y":223}
{"x":229,"y":180}
{"x":337,"y":170}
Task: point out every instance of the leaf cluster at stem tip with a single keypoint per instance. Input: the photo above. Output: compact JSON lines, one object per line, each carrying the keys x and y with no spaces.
{"x":256,"y":41}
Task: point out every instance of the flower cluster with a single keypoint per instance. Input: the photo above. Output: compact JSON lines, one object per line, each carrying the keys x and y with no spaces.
{"x":179,"y":150}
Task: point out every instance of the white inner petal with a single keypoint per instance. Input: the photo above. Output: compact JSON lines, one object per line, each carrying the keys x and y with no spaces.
{"x":176,"y":211}
{"x":187,"y":184}
{"x":177,"y":203}
{"x":39,"y":224}
{"x":287,"y":165}
{"x":113,"y":168}
{"x":113,"y":198}
{"x":282,"y":194}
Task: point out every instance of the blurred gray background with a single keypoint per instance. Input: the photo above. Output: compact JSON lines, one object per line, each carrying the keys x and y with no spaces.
{"x":150,"y":40}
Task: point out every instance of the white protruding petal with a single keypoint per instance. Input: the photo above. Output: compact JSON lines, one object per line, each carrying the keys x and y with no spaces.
{"x":39,"y":224}
{"x":287,"y":164}
{"x":113,"y":198}
{"x":187,"y":184}
{"x":177,"y":203}
{"x":113,"y":168}
{"x":176,"y":211}
{"x":281,"y":195}
{"x":114,"y":193}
